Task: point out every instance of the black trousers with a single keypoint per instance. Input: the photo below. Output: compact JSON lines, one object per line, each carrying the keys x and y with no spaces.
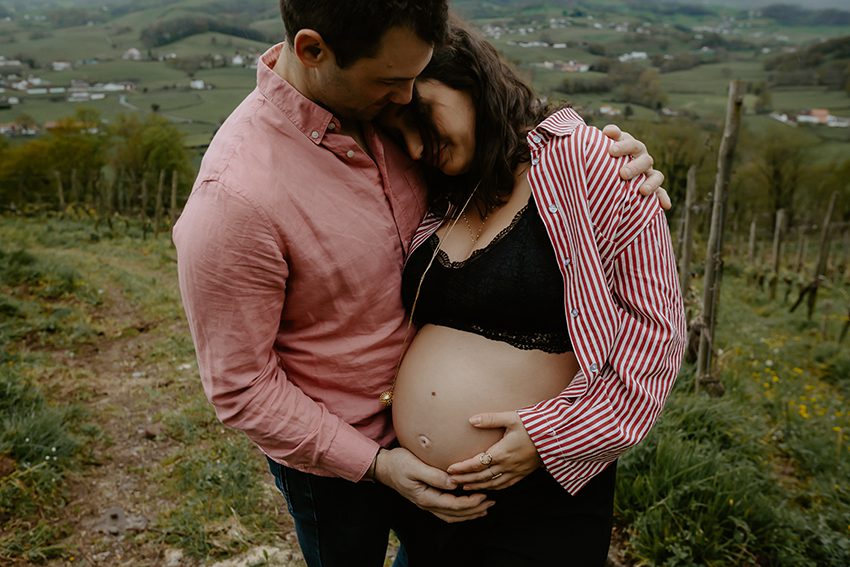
{"x":534,"y":523}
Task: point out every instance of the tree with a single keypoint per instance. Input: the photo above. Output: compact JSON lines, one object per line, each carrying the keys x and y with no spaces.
{"x":776,"y":166}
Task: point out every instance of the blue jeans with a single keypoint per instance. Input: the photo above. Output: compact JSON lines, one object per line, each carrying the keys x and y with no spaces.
{"x":339,"y":523}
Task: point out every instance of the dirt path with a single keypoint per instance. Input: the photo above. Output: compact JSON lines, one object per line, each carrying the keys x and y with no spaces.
{"x":115,"y":500}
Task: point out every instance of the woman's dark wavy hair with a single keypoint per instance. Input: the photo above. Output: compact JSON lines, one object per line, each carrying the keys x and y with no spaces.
{"x":505,"y":109}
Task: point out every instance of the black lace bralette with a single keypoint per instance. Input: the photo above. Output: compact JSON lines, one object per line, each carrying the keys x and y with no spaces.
{"x":510,"y":291}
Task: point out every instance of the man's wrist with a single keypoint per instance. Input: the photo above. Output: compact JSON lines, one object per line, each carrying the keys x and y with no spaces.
{"x":371,"y":472}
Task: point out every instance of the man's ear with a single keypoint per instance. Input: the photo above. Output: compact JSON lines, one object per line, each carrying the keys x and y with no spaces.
{"x":310,"y":48}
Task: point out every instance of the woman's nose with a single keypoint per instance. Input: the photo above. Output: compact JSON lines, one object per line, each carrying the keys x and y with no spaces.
{"x":413,"y":141}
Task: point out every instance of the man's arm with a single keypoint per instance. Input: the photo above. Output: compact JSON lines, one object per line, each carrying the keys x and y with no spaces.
{"x":233,"y":273}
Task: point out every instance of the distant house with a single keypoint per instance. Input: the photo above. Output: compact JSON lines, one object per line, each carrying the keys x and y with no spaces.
{"x":132,"y":54}
{"x":62,"y":66}
{"x":633,"y":56}
{"x":197,"y":85}
{"x":9,"y":62}
{"x":12,"y":129}
{"x":237,"y":61}
{"x":37,"y":91}
{"x":609,"y":111}
{"x":111,"y":87}
{"x":575,"y":67}
{"x":821,"y":114}
{"x":57,"y":90}
{"x":79,"y":97}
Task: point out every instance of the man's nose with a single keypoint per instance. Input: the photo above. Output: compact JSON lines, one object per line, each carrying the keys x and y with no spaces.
{"x":402,"y":93}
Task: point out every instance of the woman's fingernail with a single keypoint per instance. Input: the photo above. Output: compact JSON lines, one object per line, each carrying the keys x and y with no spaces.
{"x":475,"y":420}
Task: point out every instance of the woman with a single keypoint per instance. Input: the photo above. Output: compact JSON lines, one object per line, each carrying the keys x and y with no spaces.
{"x":550,"y":319}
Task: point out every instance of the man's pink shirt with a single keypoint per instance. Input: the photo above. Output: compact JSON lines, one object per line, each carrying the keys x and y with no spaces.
{"x":290,"y":253}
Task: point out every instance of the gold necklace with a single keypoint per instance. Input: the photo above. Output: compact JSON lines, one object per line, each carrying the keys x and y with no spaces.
{"x":475,"y":235}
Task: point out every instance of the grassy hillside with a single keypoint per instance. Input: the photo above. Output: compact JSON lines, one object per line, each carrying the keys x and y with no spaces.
{"x":98,"y":364}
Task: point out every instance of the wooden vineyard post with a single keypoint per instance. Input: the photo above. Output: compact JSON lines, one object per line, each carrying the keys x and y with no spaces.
{"x":714,"y":250}
{"x":751,"y":248}
{"x":777,"y":251}
{"x":823,"y":256}
{"x":143,"y":215}
{"x":801,"y":249}
{"x":60,"y":190}
{"x":688,"y":231}
{"x":172,"y":205}
{"x":157,"y":212}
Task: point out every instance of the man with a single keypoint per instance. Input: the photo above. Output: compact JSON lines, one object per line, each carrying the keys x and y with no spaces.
{"x":290,"y":251}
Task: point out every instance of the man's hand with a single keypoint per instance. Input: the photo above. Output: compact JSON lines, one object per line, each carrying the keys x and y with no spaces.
{"x":504,"y":464}
{"x":626,"y":145}
{"x":424,"y":485}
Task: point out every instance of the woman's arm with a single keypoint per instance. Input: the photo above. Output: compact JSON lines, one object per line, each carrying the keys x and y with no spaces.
{"x":577,"y":435}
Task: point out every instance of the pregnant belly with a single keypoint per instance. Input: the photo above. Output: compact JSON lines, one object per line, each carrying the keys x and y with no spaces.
{"x":447,"y":376}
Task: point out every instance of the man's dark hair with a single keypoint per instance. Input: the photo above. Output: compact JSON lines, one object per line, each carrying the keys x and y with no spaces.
{"x":353,"y":28}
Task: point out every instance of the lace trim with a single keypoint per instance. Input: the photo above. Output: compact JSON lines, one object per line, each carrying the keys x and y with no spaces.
{"x":447,"y":262}
{"x":557,"y":342}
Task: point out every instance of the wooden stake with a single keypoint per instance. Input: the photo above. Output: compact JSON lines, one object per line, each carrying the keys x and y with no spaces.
{"x":801,"y":249}
{"x":714,"y":250}
{"x":687,"y":232}
{"x":823,"y":256}
{"x":751,"y":248}
{"x":172,"y":209}
{"x":777,"y":249}
{"x":157,"y":214}
{"x":60,"y":191}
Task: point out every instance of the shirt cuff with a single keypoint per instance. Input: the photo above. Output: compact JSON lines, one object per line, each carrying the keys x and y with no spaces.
{"x":351,"y":454}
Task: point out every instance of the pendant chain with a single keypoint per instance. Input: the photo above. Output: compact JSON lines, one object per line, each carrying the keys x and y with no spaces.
{"x":474,"y":234}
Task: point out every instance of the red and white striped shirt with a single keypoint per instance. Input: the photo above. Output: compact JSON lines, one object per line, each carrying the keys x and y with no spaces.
{"x":622,"y":300}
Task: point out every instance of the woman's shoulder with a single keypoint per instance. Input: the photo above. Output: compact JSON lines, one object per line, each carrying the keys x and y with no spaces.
{"x":563,"y":122}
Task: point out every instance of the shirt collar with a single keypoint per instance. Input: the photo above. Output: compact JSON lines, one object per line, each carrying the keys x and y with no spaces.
{"x":308,"y":117}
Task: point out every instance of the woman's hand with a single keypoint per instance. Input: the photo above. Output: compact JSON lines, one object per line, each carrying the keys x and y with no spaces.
{"x":504,"y":464}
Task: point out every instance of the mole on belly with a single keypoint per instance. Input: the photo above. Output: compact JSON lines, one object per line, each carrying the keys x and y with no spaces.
{"x":424,"y":441}
{"x":433,"y":393}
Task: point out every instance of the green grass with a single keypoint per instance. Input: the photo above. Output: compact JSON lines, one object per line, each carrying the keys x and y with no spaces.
{"x":757,"y":477}
{"x":212,"y":480}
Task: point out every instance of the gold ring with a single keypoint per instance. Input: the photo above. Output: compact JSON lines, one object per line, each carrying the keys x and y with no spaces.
{"x":495,"y":476}
{"x":485,"y":459}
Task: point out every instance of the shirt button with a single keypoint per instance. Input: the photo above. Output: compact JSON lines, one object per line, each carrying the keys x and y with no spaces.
{"x":567,"y":261}
{"x":331,"y":126}
{"x":553,"y":209}
{"x":535,"y":161}
{"x":537,"y":139}
{"x":593,"y":367}
{"x":314,"y":135}
{"x":574,"y":313}
{"x":350,"y":153}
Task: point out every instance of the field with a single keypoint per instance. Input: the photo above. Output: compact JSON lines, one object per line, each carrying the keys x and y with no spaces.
{"x":92,"y":323}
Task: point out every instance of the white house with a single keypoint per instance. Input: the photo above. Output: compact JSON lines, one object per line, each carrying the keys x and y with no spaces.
{"x":132,"y":54}
{"x":197,"y":85}
{"x":62,"y":66}
{"x":633,"y":56}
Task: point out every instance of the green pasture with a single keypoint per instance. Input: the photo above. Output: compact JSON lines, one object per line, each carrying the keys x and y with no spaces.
{"x":212,"y":43}
{"x":712,"y":78}
{"x":802,"y":98}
